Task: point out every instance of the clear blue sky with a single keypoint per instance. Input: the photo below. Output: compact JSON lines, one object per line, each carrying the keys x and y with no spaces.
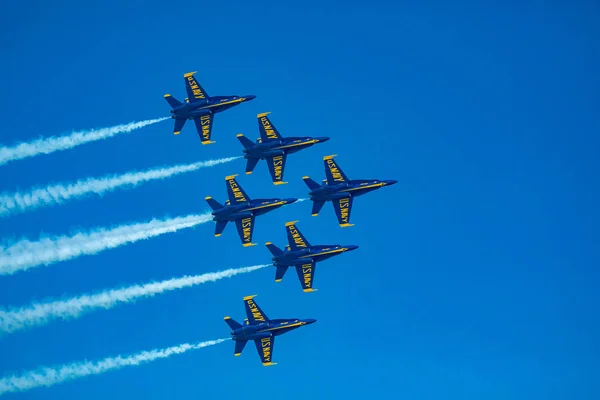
{"x":477,"y":274}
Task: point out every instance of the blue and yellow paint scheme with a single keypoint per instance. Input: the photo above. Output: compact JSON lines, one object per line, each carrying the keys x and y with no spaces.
{"x":200,"y":107}
{"x":303,"y":256}
{"x":242,"y":210}
{"x":261,"y":329}
{"x":273,"y":147}
{"x":340,"y":190}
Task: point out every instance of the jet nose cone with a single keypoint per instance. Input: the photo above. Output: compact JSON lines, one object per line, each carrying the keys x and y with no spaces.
{"x":290,"y":200}
{"x":322,"y":139}
{"x":390,"y":182}
{"x":352,"y":247}
{"x":250,"y":97}
{"x":310,"y":321}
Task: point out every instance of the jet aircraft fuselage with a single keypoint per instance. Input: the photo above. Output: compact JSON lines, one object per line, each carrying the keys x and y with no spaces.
{"x":210,"y":105}
{"x":356,"y":187}
{"x":254,"y":207}
{"x":313,"y":253}
{"x":279,"y":147}
{"x":274,"y":327}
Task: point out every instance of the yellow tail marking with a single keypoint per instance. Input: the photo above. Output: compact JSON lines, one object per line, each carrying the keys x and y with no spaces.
{"x":239,"y":135}
{"x":167,"y":95}
{"x":263,"y":114}
{"x":290,"y":223}
{"x":189,"y":74}
{"x":230,"y":177}
{"x":329,"y":157}
{"x":249,"y":297}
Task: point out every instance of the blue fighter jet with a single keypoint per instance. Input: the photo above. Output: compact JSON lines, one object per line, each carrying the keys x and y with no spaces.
{"x":301,"y":255}
{"x":261,"y":329}
{"x":200,"y":107}
{"x":242,"y":210}
{"x":274,"y":148}
{"x":340,"y":190}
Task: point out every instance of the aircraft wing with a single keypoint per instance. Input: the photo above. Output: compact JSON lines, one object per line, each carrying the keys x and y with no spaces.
{"x":234,"y":191}
{"x":296,"y":239}
{"x":268,"y":132}
{"x":194,"y":91}
{"x":245,"y":227}
{"x":306,"y":274}
{"x":264,"y":347}
{"x":343,"y":209}
{"x":204,"y":125}
{"x":276,"y":166}
{"x":333,"y":171}
{"x":253,"y":312}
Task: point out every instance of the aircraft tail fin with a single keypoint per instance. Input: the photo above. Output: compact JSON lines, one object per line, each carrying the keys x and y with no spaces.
{"x":239,"y":347}
{"x":173,"y":102}
{"x":276,"y":251}
{"x":310,"y":183}
{"x":233,"y":324}
{"x":247,"y":143}
{"x":215,"y":205}
{"x":251,"y":164}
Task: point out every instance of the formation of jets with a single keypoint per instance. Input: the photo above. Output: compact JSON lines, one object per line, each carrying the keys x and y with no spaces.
{"x":240,"y":209}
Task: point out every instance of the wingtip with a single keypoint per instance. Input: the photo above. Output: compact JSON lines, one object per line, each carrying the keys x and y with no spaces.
{"x":227,"y":317}
{"x":176,"y":133}
{"x":268,"y":243}
{"x":310,"y":290}
{"x":291,"y":223}
{"x":346,"y":225}
{"x":228,"y":177}
{"x":248,"y":172}
{"x":329,"y":157}
{"x":239,"y":135}
{"x":277,"y":280}
{"x":263,"y":114}
{"x":306,"y":177}
{"x":250,"y":297}
{"x":279,"y":183}
{"x":205,"y":142}
{"x":314,"y":215}
{"x":248,"y":244}
{"x":269,"y":364}
{"x":167,"y":95}
{"x":188,"y":74}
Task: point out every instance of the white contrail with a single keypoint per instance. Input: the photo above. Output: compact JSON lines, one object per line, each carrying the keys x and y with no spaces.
{"x":25,"y":254}
{"x":59,"y":193}
{"x":56,"y":143}
{"x":49,"y":376}
{"x":40,"y":313}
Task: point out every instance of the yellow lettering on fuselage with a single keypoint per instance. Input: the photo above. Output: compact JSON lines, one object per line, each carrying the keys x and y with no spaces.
{"x":255,"y":312}
{"x":247,"y":228}
{"x":205,"y":122}
{"x":237,"y":193}
{"x":307,"y":273}
{"x":278,"y":167}
{"x":268,"y":128}
{"x":195,"y":88}
{"x":334,"y":171}
{"x":266,"y":349}
{"x":344,"y":205}
{"x":296,"y":236}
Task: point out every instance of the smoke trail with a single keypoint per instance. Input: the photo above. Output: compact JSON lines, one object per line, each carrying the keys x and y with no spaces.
{"x":49,"y":376}
{"x":25,"y":254}
{"x":56,"y":143}
{"x":59,"y":193}
{"x":41,"y":313}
